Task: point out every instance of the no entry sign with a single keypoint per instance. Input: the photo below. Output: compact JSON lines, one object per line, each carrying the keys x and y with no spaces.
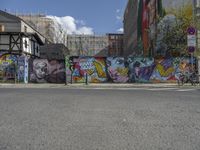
{"x":191,"y":39}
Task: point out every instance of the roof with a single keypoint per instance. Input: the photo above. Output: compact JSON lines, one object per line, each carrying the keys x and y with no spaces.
{"x":54,"y":51}
{"x":18,"y":19}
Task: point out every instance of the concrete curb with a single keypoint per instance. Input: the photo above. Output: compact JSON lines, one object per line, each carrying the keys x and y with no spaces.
{"x":97,"y":86}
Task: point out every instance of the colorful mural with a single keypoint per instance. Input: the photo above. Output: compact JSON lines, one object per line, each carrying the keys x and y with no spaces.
{"x":7,"y":67}
{"x":22,"y":69}
{"x":140,"y":69}
{"x":117,"y":69}
{"x":47,"y":71}
{"x":147,"y":11}
{"x":161,"y":27}
{"x":164,"y":70}
{"x":94,"y":67}
{"x":114,"y":69}
{"x":68,"y":68}
{"x":158,"y":70}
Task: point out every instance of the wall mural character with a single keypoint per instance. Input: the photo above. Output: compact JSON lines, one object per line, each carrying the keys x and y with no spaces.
{"x":45,"y":71}
{"x":21,"y":68}
{"x":8,"y":64}
{"x":94,"y":67}
{"x":117,"y":69}
{"x":164,"y":70}
{"x":140,"y":69}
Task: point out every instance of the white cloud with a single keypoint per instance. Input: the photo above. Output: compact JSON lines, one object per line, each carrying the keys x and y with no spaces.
{"x":70,"y":25}
{"x":80,"y":22}
{"x":118,"y":17}
{"x":121,"y":30}
{"x":118,"y":11}
{"x":85,"y":30}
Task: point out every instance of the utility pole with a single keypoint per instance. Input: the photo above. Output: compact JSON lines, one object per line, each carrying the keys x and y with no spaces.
{"x":193,"y":22}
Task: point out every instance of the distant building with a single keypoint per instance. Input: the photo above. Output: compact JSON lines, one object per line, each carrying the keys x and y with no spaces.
{"x":115,"y":47}
{"x":18,"y":37}
{"x":41,"y":23}
{"x":54,"y":51}
{"x":87,"y":45}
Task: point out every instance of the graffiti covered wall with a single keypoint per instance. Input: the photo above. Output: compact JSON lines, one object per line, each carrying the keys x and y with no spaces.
{"x":7,"y":67}
{"x":22,"y":63}
{"x":117,"y":69}
{"x":158,"y":70}
{"x":68,"y":67}
{"x":47,"y":71}
{"x":94,"y":67}
{"x":140,"y":69}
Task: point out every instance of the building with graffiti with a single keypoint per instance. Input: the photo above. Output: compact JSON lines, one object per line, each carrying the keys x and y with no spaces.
{"x":129,"y":70}
{"x":157,"y":28}
{"x":18,"y":42}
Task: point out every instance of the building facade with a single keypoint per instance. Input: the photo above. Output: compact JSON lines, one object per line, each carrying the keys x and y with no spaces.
{"x":115,"y":47}
{"x":18,"y":37}
{"x":47,"y":26}
{"x":130,"y":28}
{"x":87,"y":45}
{"x":140,"y":26}
{"x":155,"y":28}
{"x":54,"y":51}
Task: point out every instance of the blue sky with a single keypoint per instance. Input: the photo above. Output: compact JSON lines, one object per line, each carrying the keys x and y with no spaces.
{"x":102,"y":16}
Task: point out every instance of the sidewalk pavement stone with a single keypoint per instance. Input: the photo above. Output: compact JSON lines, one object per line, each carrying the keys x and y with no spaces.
{"x":97,"y":85}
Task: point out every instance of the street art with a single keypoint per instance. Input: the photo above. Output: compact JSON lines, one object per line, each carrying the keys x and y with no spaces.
{"x":7,"y":67}
{"x":95,"y":68}
{"x":184,"y":66}
{"x":158,"y":70}
{"x":140,"y":69}
{"x":117,"y":70}
{"x":164,"y":70}
{"x":47,"y":71}
{"x":68,"y":68}
{"x":146,"y":22}
{"x":22,"y":65}
{"x":161,"y":27}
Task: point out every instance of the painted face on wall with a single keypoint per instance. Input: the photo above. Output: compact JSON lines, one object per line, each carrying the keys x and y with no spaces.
{"x":41,"y":69}
{"x":117,"y":70}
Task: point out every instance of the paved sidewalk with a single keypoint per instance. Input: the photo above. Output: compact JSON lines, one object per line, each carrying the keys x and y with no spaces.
{"x":98,"y":85}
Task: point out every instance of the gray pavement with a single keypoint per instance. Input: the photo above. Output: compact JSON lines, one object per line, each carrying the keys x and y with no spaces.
{"x":99,"y":85}
{"x":99,"y":119}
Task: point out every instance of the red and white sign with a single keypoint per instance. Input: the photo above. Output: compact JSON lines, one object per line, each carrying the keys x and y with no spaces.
{"x":191,"y":39}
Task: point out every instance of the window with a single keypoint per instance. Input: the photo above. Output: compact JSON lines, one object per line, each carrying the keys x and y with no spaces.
{"x":25,"y":43}
{"x":2,"y":28}
{"x":25,"y":28}
{"x":37,"y":49}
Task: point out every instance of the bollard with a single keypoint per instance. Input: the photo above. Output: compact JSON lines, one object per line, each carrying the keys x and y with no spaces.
{"x":66,"y":79}
{"x":86,"y":78}
{"x":71,"y":78}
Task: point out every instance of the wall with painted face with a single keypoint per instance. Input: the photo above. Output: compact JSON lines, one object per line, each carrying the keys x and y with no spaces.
{"x":47,"y":71}
{"x":94,"y":67}
{"x":117,"y":70}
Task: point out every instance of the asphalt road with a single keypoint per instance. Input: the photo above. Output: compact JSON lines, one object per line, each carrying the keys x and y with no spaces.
{"x":86,"y":119}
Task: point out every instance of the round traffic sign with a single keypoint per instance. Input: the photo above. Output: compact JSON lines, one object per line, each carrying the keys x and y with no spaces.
{"x":191,"y":49}
{"x":191,"y":31}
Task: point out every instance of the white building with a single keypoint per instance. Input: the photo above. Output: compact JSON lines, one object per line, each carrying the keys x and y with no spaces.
{"x":87,"y":45}
{"x":18,"y":37}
